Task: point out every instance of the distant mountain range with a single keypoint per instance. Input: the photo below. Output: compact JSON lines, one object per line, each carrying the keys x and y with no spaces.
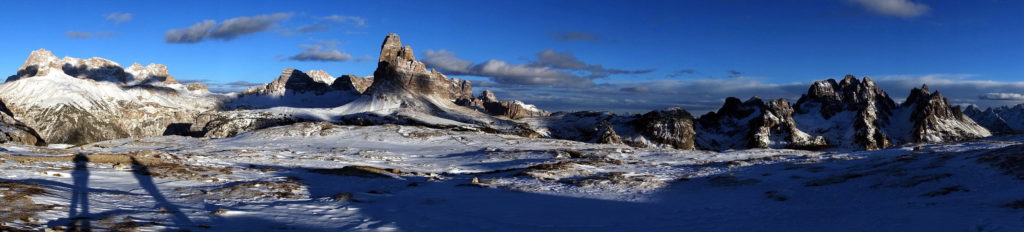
{"x":79,"y":101}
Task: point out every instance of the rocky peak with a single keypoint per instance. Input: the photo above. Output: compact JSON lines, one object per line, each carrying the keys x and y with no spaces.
{"x":830,"y":97}
{"x":39,"y":63}
{"x":290,"y":81}
{"x":349,"y":82}
{"x":399,"y":74}
{"x":935,"y":120}
{"x":321,"y":76}
{"x":488,"y":96}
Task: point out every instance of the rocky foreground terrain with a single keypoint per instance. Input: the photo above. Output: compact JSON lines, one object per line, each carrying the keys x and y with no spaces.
{"x":90,"y":144}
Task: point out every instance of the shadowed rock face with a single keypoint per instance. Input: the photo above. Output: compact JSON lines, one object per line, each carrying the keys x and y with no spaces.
{"x":753,"y":124}
{"x":398,"y":73}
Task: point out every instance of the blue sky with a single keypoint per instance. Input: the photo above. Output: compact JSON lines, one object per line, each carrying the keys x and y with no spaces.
{"x":628,"y":56}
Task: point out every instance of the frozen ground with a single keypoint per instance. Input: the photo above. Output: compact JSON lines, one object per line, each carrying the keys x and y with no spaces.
{"x":322,"y":177}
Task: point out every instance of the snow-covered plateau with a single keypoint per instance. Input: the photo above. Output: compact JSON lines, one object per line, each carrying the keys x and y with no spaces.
{"x":324,"y":177}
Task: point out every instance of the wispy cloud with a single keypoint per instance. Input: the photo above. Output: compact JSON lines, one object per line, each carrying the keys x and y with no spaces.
{"x":350,"y":20}
{"x":323,"y":51}
{"x":894,"y":8}
{"x":226,"y":30}
{"x":551,"y":69}
{"x":87,"y":35}
{"x":119,"y":18}
{"x":574,"y":36}
{"x":682,"y":72}
{"x":1002,"y":96}
{"x":566,"y":60}
{"x":78,"y":34}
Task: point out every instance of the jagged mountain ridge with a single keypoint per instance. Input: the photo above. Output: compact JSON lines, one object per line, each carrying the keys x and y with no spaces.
{"x":1001,"y":120}
{"x":403,"y":91}
{"x":829,"y":108}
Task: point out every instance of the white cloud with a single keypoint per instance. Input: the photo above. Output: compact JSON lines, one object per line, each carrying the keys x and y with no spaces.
{"x":226,"y":30}
{"x":895,"y":8}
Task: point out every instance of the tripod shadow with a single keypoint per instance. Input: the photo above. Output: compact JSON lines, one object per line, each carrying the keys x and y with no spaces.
{"x":142,"y":175}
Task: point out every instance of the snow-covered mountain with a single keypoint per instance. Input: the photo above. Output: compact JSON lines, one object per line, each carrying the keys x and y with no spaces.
{"x":76,"y":101}
{"x":1003,"y":119}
